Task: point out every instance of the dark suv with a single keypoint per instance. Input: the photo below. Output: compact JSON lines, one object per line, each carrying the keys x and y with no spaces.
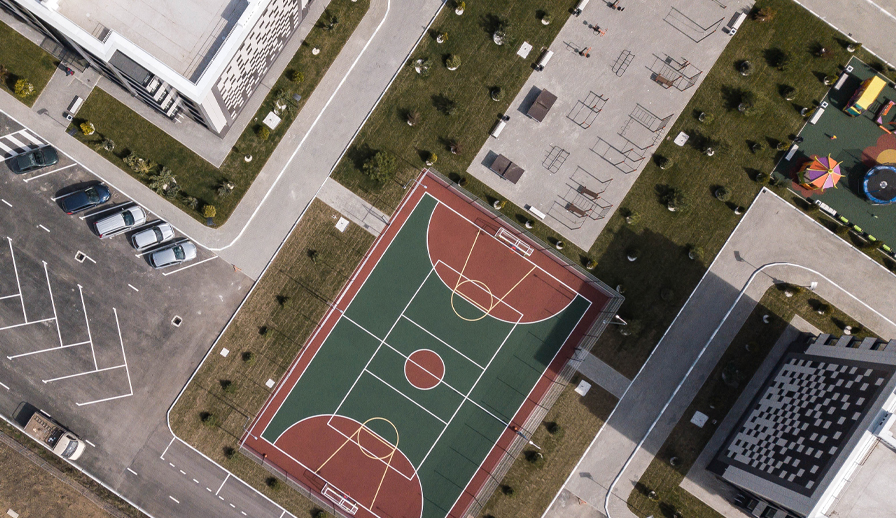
{"x":85,"y":199}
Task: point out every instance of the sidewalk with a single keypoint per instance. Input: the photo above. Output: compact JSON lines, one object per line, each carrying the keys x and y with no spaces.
{"x":308,"y":152}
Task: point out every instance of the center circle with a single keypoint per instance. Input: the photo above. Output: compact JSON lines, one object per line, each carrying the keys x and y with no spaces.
{"x":424,"y":369}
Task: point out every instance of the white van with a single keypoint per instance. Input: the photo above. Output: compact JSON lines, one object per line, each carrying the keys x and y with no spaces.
{"x":736,"y":23}
{"x":120,"y":221}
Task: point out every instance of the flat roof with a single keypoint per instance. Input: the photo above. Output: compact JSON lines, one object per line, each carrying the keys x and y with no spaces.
{"x":183,"y":34}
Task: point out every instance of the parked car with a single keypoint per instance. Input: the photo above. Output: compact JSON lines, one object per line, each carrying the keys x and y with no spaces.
{"x":173,"y":254}
{"x":84,"y":199}
{"x":130,"y":217}
{"x":152,"y":236}
{"x":35,"y":159}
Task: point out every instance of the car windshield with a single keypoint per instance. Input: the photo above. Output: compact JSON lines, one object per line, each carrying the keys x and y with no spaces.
{"x":128,"y":218}
{"x":70,"y":449}
{"x":178,"y":253}
{"x":158,"y":233}
{"x":92,"y":195}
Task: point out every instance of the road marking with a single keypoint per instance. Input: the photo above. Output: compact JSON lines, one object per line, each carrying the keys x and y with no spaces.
{"x":231,"y":505}
{"x":18,"y":284}
{"x":133,"y":288}
{"x":16,"y":142}
{"x":222,"y":498}
{"x":208,"y":489}
{"x":97,"y":213}
{"x":243,"y":513}
{"x":43,"y":227}
{"x":83,"y":256}
{"x":182,"y":472}
{"x":30,"y":137}
{"x":90,"y":443}
{"x":84,"y":373}
{"x":132,"y":471}
{"x":222,"y":484}
{"x":194,"y":480}
{"x":27,"y":324}
{"x":49,"y":172}
{"x":166,"y":450}
{"x":190,"y":266}
{"x":5,"y":148}
{"x":10,"y":296}
{"x":4,"y":386}
{"x":175,"y":499}
{"x":170,"y":464}
{"x":6,"y":202}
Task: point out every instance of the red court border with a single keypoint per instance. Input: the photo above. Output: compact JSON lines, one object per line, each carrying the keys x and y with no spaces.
{"x":428,"y":183}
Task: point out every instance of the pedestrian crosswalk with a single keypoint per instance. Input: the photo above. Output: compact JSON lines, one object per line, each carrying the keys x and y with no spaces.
{"x":16,"y":143}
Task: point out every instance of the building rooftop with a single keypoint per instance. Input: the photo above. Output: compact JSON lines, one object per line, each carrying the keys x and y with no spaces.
{"x":183,"y":34}
{"x":807,"y":418}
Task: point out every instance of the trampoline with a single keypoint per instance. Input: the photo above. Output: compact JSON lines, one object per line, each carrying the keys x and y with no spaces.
{"x":880,"y":184}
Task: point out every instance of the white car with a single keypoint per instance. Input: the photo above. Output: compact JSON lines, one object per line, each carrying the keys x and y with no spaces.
{"x":130,"y":217}
{"x":152,"y":236}
{"x":173,"y":254}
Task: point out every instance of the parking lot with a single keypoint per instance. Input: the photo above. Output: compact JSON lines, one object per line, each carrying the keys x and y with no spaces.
{"x":89,"y":331}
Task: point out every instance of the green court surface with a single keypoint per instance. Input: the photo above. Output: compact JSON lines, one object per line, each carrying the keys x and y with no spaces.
{"x":490,"y":367}
{"x":859,"y":144}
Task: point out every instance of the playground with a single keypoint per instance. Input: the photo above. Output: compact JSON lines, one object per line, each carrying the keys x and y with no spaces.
{"x":855,"y":125}
{"x":431,"y":362}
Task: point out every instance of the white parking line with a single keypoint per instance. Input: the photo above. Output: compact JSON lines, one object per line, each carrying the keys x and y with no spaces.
{"x":127,"y":370}
{"x":194,"y":480}
{"x":97,"y":213}
{"x":132,"y":471}
{"x":84,"y":373}
{"x":6,"y":202}
{"x":16,"y":142}
{"x":87,"y":321}
{"x":16,"y":269}
{"x":5,"y":148}
{"x":90,"y":443}
{"x":175,"y":499}
{"x":11,"y":296}
{"x":182,"y":472}
{"x":43,"y":227}
{"x":27,"y":323}
{"x":190,"y":266}
{"x":4,"y":386}
{"x":49,"y":172}
{"x":31,"y":137}
{"x":55,"y":348}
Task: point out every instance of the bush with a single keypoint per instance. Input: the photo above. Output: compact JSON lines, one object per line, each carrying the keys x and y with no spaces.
{"x":164,"y":183}
{"x":263,"y":132}
{"x":553,"y":427}
{"x":496,"y":93}
{"x":507,"y":490}
{"x":765,"y":14}
{"x":722,"y":194}
{"x":381,"y":166}
{"x":631,"y":217}
{"x":87,"y":128}
{"x":762,"y":178}
{"x":23,"y":88}
{"x":534,"y":457}
{"x":788,"y":93}
{"x":228,"y":387}
{"x":591,"y":264}
{"x":453,"y":62}
{"x":208,"y":419}
{"x":823,"y":309}
{"x":248,"y":358}
{"x":106,"y":145}
{"x":695,"y":253}
{"x":664,"y":162}
{"x":633,"y":253}
{"x":209,"y":211}
{"x":296,"y":76}
{"x":675,"y":200}
{"x":546,"y":18}
{"x":413,"y":117}
{"x":273,"y":483}
{"x":431,"y":158}
{"x":229,"y":452}
{"x":745,"y":67}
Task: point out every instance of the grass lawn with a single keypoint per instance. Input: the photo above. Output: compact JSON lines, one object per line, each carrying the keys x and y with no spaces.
{"x":484,"y":65}
{"x":716,"y":398}
{"x":536,"y":480}
{"x":24,"y":60}
{"x":197,"y":178}
{"x":46,"y":495}
{"x":281,"y":313}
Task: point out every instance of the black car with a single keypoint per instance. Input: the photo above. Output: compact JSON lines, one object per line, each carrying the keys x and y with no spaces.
{"x":35,"y":159}
{"x":85,"y":199}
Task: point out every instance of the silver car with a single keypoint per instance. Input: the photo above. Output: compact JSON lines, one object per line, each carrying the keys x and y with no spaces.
{"x":173,"y":254}
{"x":152,"y":236}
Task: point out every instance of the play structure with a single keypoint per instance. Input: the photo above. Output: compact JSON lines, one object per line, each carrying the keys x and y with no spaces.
{"x":880,"y":184}
{"x":881,"y":113}
{"x":820,"y":173}
{"x":865,"y":95}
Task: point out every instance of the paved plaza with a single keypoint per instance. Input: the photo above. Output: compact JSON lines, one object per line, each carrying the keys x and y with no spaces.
{"x":612,"y":108}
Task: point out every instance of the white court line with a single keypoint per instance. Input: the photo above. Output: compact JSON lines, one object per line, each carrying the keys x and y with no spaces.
{"x":43,"y":227}
{"x":27,"y":323}
{"x":90,"y":443}
{"x":175,"y":499}
{"x":407,"y":397}
{"x":189,"y":266}
{"x":427,"y":331}
{"x":19,"y":285}
{"x":133,"y":288}
{"x":49,"y":172}
{"x":87,"y":321}
{"x":132,"y":471}
{"x":6,"y":202}
{"x":4,"y":386}
{"x":126,"y":369}
{"x":222,"y":483}
{"x":58,"y":327}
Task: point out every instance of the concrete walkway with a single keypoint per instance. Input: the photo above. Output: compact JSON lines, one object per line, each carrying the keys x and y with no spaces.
{"x":604,"y":375}
{"x":305,"y":157}
{"x":353,"y":207}
{"x":870,"y":22}
{"x":774,"y":241}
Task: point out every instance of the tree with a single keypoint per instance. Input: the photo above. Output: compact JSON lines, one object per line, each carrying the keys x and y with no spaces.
{"x":722,"y":194}
{"x":413,"y":117}
{"x":765,"y":14}
{"x":296,"y":76}
{"x":106,"y":145}
{"x":496,"y":93}
{"x":164,"y":183}
{"x":675,"y":200}
{"x":263,"y":132}
{"x":23,"y":88}
{"x":381,"y":166}
{"x":664,"y":162}
{"x":453,"y":62}
{"x":455,"y":146}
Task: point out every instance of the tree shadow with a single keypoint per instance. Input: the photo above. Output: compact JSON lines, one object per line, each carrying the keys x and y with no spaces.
{"x":357,"y":155}
{"x":444,"y":104}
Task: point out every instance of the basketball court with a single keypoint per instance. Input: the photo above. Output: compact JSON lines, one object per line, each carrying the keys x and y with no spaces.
{"x":430,"y":362}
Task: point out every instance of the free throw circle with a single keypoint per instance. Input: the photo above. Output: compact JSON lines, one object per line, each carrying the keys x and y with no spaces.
{"x":424,"y":369}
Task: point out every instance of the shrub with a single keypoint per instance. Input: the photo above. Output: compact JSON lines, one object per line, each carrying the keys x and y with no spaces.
{"x":317,"y":513}
{"x":823,"y":309}
{"x":87,"y":128}
{"x":765,"y":14}
{"x":248,"y":358}
{"x":553,"y":427}
{"x":591,"y":264}
{"x":23,"y":88}
{"x":722,"y":194}
{"x":227,"y":386}
{"x":463,"y":181}
{"x":705,"y":118}
{"x":296,"y":76}
{"x":164,"y":183}
{"x":499,"y":204}
{"x":675,"y":200}
{"x":423,"y":66}
{"x":453,"y":62}
{"x":631,"y":217}
{"x":496,"y":93}
{"x":777,"y":58}
{"x":106,"y":145}
{"x":507,"y":490}
{"x":263,"y":132}
{"x":695,"y":253}
{"x":229,"y":452}
{"x":413,"y":117}
{"x":190,"y":201}
{"x":209,"y":211}
{"x":273,"y":483}
{"x":664,"y":162}
{"x":546,"y":18}
{"x":208,"y":419}
{"x":534,"y":457}
{"x":381,"y":166}
{"x":788,"y":93}
{"x":139,"y":165}
{"x":745,"y":67}
{"x":431,"y":158}
{"x":633,"y":253}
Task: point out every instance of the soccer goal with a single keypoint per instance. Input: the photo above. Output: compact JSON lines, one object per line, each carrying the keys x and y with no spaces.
{"x":514,"y":242}
{"x":340,"y":499}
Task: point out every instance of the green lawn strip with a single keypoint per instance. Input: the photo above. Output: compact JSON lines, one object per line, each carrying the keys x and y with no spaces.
{"x":24,"y":60}
{"x":716,"y":398}
{"x":484,"y":65}
{"x":197,"y":178}
{"x":70,"y":471}
{"x":535,"y":480}
{"x":273,"y":325}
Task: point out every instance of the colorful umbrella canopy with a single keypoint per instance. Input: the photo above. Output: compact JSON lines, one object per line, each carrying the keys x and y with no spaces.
{"x":822,"y":172}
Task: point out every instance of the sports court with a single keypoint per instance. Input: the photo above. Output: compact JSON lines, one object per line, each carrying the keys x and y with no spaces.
{"x":433,"y":357}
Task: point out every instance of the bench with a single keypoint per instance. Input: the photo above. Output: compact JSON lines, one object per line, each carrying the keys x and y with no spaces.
{"x":588,"y":192}
{"x":73,"y":108}
{"x":663,"y":81}
{"x":576,"y":210}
